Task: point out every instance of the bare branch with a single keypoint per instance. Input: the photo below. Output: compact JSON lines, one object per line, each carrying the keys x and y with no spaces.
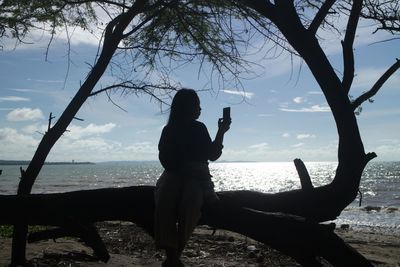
{"x":137,"y":88}
{"x":304,"y":176}
{"x":386,"y":13}
{"x":265,"y":8}
{"x":51,"y":117}
{"x":115,"y":3}
{"x":320,"y":16}
{"x":115,"y":104}
{"x":347,"y":44}
{"x":160,"y":49}
{"x":68,"y":52}
{"x":367,"y":95}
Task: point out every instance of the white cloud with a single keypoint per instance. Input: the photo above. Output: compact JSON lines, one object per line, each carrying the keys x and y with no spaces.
{"x":23,"y":90}
{"x":86,"y":149}
{"x":15,"y":145}
{"x":315,"y":93}
{"x":259,"y":146}
{"x":298,"y":145}
{"x":386,"y":152}
{"x":284,"y":104}
{"x":142,"y":147}
{"x":285,"y":135}
{"x":25,"y":114}
{"x":45,"y":81}
{"x":11,"y":136}
{"x":314,"y":108}
{"x":21,"y":144}
{"x":305,"y":136}
{"x":243,"y":94}
{"x":96,"y":144}
{"x":14,"y":99}
{"x":327,"y":152}
{"x":299,"y":99}
{"x":77,"y":132}
{"x":39,"y":38}
{"x":100,"y":149}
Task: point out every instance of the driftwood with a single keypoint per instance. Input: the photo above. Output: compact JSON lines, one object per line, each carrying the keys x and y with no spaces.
{"x":75,"y":212}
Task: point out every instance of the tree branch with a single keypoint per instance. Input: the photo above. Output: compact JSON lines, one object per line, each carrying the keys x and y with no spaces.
{"x":265,"y":8}
{"x":375,"y":88}
{"x":320,"y":16}
{"x":347,"y":44}
{"x":115,"y":3}
{"x":304,"y":176}
{"x":140,"y":87}
{"x":51,"y":117}
{"x":386,"y":13}
{"x":144,"y":22}
{"x":132,"y":86}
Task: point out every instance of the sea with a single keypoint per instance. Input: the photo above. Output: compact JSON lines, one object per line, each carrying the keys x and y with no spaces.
{"x":378,"y":211}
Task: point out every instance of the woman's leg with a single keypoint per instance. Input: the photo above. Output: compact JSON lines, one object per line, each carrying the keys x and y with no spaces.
{"x":167,"y":195}
{"x":189,"y":210}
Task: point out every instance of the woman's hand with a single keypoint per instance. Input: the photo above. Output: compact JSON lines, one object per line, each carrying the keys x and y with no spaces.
{"x":224,"y":125}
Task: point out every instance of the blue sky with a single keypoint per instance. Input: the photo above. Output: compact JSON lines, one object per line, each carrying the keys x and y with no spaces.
{"x":280,"y":116}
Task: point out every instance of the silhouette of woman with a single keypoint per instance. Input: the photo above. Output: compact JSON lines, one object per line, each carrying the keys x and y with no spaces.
{"x":184,"y":150}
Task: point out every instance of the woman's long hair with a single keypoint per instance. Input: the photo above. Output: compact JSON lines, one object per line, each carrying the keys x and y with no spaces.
{"x":183,"y":106}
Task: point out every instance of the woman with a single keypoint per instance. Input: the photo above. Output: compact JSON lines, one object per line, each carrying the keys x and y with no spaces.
{"x":184,"y":150}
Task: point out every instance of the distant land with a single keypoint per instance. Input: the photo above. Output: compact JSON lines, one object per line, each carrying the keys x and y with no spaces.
{"x":26,"y":162}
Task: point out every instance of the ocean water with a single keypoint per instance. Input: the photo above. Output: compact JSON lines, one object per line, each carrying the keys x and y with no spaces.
{"x":380,"y":183}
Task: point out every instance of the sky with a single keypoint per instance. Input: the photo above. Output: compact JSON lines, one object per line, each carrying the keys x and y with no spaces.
{"x":280,"y":113}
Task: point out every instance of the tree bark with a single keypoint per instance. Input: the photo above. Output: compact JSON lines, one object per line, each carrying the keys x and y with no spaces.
{"x":300,"y":238}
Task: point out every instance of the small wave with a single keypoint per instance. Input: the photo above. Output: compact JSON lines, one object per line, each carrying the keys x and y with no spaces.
{"x":372,"y":209}
{"x":391,"y":209}
{"x":380,"y":209}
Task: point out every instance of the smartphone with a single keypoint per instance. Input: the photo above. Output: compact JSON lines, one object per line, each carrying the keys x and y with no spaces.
{"x":226,"y":113}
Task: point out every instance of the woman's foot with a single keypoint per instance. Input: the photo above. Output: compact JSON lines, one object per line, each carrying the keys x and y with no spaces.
{"x":172,"y":259}
{"x":172,"y":263}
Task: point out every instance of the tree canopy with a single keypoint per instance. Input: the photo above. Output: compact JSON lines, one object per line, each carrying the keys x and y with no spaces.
{"x":168,"y":34}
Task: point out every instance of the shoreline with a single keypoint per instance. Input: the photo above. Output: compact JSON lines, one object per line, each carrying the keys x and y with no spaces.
{"x":128,"y":245}
{"x":26,"y":163}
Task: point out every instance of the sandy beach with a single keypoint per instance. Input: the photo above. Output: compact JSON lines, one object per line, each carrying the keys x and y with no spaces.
{"x":128,"y":245}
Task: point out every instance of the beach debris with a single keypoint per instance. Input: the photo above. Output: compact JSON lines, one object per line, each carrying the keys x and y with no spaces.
{"x":252,"y":255}
{"x":195,"y":253}
{"x":251,"y":248}
{"x":345,"y":226}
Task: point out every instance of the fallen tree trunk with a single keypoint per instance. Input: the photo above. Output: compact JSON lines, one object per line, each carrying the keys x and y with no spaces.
{"x":300,"y":238}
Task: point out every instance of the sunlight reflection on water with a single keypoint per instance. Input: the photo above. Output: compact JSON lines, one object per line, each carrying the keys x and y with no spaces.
{"x":267,"y":176}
